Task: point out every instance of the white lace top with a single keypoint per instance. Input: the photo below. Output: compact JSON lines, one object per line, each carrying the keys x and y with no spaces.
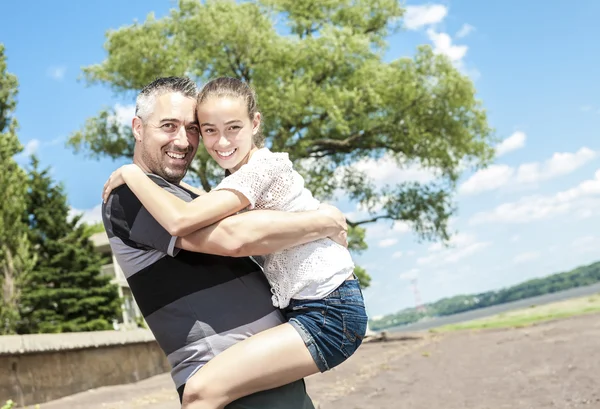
{"x":308,"y":271}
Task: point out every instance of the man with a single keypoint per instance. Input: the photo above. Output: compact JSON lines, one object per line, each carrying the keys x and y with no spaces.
{"x":196,"y":300}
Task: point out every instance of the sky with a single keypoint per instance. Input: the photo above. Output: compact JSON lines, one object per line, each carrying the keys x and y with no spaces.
{"x":535,"y":211}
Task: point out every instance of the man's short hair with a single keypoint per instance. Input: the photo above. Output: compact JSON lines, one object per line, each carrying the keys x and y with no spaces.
{"x":145,"y":100}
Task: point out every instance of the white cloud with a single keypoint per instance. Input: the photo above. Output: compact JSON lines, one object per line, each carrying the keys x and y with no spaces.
{"x":57,"y":72}
{"x":90,"y":216}
{"x":56,"y":141}
{"x":465,"y":30}
{"x":525,"y":257}
{"x":388,"y":170}
{"x":401,"y":227}
{"x":412,"y":274}
{"x":581,"y":198}
{"x":490,"y":178}
{"x":442,"y":44}
{"x":124,"y":113}
{"x":586,"y":244}
{"x":461,"y":246}
{"x":561,"y":163}
{"x":497,"y":176}
{"x":515,"y":238}
{"x":512,"y":143}
{"x":416,"y":17}
{"x":397,"y":254}
{"x":586,"y":108}
{"x":31,"y":147}
{"x":387,"y":242}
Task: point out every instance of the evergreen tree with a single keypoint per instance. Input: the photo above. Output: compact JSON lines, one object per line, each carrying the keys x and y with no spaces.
{"x":15,"y":259}
{"x":65,"y":291}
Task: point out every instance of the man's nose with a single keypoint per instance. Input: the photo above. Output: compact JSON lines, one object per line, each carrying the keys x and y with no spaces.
{"x":181,"y":139}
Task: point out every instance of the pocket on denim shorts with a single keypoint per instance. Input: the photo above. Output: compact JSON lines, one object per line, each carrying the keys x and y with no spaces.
{"x":355,"y":328}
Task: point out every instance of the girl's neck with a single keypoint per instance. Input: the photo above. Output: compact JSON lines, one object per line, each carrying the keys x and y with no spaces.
{"x":245,"y":160}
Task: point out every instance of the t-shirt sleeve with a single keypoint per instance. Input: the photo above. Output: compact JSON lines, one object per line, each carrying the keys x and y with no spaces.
{"x":129,"y":220}
{"x":260,"y":181}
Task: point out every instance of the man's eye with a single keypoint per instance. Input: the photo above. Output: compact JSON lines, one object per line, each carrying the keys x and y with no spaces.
{"x":194,"y":129}
{"x":169,"y":126}
{"x":235,"y":127}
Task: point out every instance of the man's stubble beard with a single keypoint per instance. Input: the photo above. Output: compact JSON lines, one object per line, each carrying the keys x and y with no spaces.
{"x":156,"y":167}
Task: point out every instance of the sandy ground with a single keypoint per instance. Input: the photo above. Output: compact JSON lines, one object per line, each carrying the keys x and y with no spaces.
{"x":551,"y":365}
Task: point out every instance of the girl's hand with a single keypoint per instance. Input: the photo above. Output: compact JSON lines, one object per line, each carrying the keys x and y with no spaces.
{"x":117,"y":178}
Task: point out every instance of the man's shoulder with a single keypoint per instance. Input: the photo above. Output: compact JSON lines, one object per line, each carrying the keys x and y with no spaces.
{"x":123,"y":203}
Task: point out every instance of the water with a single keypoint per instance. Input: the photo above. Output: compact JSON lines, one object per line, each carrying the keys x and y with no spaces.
{"x":497,"y":309}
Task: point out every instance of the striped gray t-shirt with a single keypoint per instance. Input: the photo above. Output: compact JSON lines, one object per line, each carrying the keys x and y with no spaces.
{"x":196,"y":305}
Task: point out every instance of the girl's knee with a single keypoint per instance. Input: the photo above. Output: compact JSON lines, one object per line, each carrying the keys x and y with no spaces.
{"x":201,"y":394}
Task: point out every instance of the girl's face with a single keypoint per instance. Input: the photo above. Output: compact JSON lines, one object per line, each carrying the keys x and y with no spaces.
{"x":227,"y":130}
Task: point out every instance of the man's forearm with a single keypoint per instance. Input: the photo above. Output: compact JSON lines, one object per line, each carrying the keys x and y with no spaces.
{"x":261,"y":232}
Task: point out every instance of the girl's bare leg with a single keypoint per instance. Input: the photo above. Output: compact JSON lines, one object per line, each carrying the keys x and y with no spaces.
{"x":269,"y":359}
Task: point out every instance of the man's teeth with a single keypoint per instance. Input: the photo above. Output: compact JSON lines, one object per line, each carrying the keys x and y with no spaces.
{"x":176,"y":155}
{"x":228,"y":153}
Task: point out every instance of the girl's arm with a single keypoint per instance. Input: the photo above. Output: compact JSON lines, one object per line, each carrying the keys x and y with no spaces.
{"x":178,"y":217}
{"x":191,"y":188}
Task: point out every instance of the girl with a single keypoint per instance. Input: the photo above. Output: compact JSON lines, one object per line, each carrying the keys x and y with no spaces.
{"x":313,"y":283}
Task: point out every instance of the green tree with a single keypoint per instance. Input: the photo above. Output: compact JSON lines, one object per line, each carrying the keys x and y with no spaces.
{"x":15,"y":258}
{"x":65,"y":290}
{"x":327,"y":95}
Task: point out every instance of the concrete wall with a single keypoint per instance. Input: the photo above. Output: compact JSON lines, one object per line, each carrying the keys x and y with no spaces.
{"x":39,"y":368}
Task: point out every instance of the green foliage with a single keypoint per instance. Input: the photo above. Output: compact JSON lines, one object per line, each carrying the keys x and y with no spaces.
{"x":10,"y":404}
{"x":579,"y":277}
{"x":92,"y":229}
{"x":65,"y":291}
{"x":326,"y":93}
{"x":15,"y":259}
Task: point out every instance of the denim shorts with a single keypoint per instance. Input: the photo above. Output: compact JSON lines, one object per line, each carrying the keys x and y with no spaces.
{"x":333,"y":327}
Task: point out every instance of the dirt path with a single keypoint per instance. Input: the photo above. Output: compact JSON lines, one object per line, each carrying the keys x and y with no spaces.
{"x":554,"y":365}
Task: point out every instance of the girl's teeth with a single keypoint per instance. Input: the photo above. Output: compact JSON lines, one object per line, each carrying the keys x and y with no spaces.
{"x":229,"y":153}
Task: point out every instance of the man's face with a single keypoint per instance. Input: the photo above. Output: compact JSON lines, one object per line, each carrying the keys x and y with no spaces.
{"x":168,"y":138}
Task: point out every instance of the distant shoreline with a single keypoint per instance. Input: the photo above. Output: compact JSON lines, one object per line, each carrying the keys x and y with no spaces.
{"x":431,"y":323}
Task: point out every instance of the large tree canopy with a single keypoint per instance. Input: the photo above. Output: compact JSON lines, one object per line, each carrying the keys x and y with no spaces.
{"x":327,"y":94}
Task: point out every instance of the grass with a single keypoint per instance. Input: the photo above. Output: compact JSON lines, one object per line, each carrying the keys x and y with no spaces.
{"x":529,"y":316}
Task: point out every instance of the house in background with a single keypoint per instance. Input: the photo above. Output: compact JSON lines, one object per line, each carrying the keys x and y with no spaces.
{"x":131,"y":314}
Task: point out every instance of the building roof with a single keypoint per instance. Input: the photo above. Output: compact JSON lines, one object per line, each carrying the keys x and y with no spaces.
{"x":101,"y":242}
{"x":22,"y":344}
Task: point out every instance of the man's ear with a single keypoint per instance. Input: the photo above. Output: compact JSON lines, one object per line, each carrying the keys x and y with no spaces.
{"x":256,"y":123}
{"x":136,"y":127}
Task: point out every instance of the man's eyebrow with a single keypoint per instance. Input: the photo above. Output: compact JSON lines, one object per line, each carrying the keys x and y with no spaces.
{"x":170,"y":120}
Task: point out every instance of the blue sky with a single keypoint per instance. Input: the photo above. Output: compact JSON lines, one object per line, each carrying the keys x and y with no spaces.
{"x":534,"y":212}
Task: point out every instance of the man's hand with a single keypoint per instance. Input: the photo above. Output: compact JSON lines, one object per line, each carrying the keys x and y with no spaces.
{"x":117,"y":178}
{"x":339,"y":231}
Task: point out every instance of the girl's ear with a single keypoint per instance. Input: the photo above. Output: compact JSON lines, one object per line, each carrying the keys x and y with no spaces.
{"x":256,"y":123}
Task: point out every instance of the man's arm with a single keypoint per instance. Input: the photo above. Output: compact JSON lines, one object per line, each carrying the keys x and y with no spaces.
{"x":261,"y":232}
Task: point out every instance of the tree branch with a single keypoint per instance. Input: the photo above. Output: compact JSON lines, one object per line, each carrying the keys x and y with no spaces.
{"x":371,"y":220}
